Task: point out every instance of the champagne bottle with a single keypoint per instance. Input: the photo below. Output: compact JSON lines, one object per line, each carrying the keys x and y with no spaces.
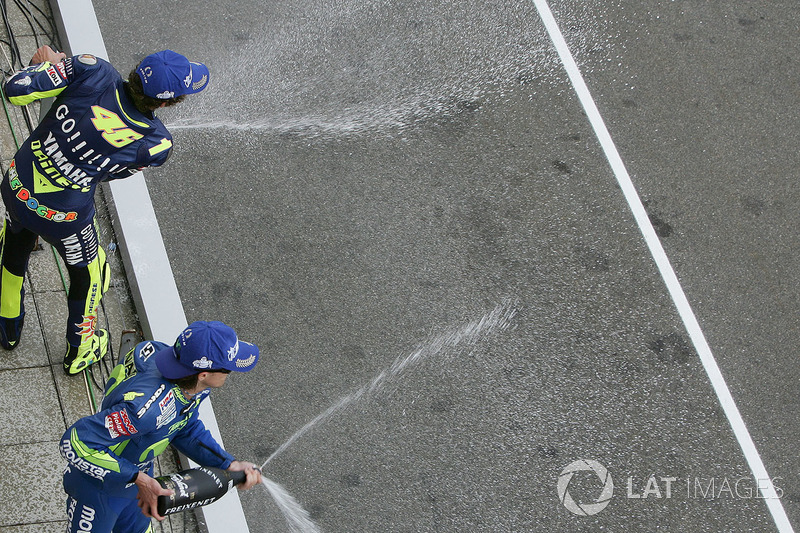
{"x":195,"y":487}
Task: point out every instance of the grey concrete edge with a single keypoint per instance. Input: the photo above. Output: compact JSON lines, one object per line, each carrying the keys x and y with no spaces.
{"x":145,"y":258}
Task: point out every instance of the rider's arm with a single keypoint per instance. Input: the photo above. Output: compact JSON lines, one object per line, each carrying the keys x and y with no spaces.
{"x":45,"y":77}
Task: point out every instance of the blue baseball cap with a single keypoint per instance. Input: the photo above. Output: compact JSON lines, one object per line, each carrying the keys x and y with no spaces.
{"x":206,"y":347}
{"x":167,"y":74}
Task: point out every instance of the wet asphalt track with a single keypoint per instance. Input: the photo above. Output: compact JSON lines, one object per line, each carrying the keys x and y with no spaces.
{"x":362,"y":177}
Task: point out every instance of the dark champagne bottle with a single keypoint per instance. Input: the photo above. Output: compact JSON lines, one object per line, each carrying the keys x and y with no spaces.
{"x":195,"y":487}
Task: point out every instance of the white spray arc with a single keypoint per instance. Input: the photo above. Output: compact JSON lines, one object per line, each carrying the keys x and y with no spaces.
{"x":498,"y":318}
{"x":443,"y":345}
{"x":363,"y":67}
{"x":297,"y":518}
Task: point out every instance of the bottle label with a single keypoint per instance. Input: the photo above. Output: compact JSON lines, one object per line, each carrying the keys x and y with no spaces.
{"x":187,"y":506}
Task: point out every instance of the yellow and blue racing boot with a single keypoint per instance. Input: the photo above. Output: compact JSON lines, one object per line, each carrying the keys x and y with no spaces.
{"x":79,"y":358}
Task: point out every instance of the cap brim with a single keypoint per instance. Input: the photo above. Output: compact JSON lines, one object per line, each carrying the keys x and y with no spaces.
{"x":246,"y":358}
{"x":169,"y":366}
{"x":200,"y":77}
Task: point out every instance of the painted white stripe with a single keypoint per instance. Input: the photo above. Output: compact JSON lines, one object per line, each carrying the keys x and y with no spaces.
{"x":667,"y":273}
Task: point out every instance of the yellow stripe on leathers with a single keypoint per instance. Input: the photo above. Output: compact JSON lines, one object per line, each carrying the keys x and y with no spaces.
{"x":10,"y":303}
{"x":10,"y":297}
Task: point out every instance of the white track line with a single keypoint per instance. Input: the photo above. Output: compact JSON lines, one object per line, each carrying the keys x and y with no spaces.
{"x":667,"y":273}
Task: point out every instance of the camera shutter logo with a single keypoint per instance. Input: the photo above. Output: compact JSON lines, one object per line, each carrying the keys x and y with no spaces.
{"x":585,"y":509}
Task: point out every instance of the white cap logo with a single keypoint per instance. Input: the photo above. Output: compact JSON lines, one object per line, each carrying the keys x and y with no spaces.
{"x":205,"y":362}
{"x":233,"y":351}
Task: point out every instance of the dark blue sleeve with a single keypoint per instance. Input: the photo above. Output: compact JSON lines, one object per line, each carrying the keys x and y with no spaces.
{"x":197,"y":443}
{"x":83,"y":74}
{"x":35,"y":82}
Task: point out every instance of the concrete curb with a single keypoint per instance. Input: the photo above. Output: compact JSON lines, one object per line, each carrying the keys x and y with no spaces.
{"x":146,"y":263}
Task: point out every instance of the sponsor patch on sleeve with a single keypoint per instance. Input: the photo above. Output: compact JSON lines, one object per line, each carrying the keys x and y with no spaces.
{"x":55,"y":77}
{"x":168,"y":410}
{"x":118,"y":423}
{"x":141,"y":412}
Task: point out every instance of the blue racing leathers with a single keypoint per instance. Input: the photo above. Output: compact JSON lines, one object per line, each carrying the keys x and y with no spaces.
{"x":92,"y":133}
{"x":141,"y":414}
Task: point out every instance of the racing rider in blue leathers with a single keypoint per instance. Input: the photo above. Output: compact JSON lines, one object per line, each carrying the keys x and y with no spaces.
{"x":151,"y":400}
{"x":99,"y":128}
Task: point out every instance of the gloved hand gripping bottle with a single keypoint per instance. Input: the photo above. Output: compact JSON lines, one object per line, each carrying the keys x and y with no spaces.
{"x":196,"y":487}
